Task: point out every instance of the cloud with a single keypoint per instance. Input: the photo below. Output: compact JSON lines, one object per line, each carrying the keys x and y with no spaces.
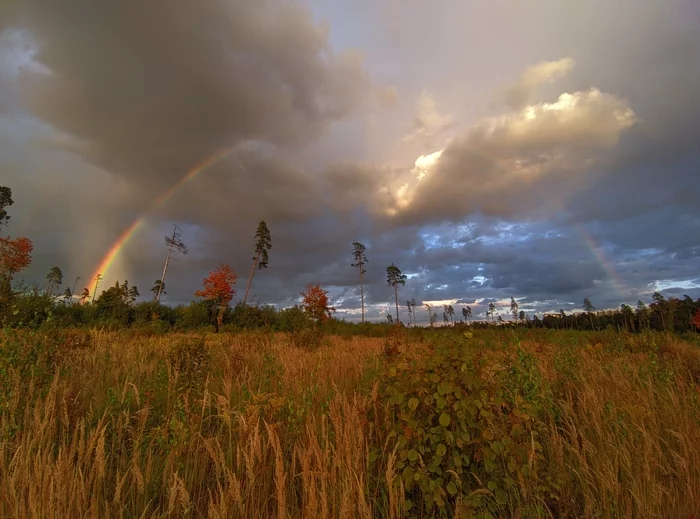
{"x":428,"y":121}
{"x":151,"y":93}
{"x":521,"y":93}
{"x":521,"y":162}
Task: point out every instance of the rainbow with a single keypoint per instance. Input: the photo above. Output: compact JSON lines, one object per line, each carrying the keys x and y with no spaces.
{"x":608,"y":266}
{"x":116,"y":247}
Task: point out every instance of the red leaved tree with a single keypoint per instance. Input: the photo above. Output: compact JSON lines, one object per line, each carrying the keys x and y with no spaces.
{"x":696,"y":320}
{"x":316,"y":304}
{"x":218,"y":291}
{"x":15,"y":255}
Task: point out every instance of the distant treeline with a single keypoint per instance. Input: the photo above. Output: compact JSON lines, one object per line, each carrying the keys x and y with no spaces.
{"x":117,"y":308}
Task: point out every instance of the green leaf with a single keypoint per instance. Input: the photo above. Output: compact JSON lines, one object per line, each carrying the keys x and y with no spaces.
{"x":445,"y":419}
{"x":451,"y":488}
{"x":412,"y":404}
{"x":492,"y":485}
{"x":441,"y":449}
{"x":441,"y":403}
{"x":412,"y":455}
{"x":501,"y":496}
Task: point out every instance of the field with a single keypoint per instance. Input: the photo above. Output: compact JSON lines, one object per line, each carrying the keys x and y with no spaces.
{"x":421,"y":423}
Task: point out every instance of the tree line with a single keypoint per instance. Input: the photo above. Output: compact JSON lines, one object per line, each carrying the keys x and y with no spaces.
{"x":118,"y":306}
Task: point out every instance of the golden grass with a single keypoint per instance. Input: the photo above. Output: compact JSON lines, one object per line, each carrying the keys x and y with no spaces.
{"x":249,"y":426}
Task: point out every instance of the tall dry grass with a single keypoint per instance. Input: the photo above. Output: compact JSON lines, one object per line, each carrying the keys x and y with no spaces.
{"x":251,"y":426}
{"x":127,"y":429}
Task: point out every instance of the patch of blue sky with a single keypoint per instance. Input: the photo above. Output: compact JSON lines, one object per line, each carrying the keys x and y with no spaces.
{"x":665,"y":284}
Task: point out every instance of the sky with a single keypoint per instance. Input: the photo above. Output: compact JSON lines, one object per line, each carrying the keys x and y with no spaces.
{"x":546,"y":151}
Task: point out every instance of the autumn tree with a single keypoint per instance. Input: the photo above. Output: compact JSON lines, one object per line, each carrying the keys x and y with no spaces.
{"x":54,"y":279}
{"x":315,"y":303}
{"x":263,"y":243}
{"x":15,"y":256}
{"x":359,"y":260}
{"x":218,"y":292}
{"x":394,"y":278}
{"x":173,"y":243}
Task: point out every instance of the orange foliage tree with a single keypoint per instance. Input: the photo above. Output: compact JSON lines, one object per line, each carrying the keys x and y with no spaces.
{"x":696,"y":320}
{"x":316,"y":304}
{"x":218,"y":291}
{"x":15,"y":255}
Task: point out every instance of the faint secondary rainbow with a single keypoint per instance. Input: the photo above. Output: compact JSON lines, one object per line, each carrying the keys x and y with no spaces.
{"x":116,"y":247}
{"x":607,"y":265}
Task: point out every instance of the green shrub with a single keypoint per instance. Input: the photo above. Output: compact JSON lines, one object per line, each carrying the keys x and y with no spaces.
{"x":463,"y":439}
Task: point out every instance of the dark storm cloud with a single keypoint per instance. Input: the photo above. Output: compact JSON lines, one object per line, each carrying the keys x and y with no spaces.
{"x":152,"y":88}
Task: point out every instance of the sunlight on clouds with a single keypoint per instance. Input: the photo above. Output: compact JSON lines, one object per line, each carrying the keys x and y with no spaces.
{"x":500,"y":162}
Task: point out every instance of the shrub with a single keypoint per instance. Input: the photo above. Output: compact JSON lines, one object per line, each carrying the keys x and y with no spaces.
{"x":462,"y":438}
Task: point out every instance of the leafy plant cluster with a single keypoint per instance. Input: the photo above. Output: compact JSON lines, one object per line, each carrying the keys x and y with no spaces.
{"x":466,"y":438}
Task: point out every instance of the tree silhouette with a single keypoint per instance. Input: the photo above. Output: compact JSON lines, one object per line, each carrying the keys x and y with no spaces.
{"x":315,"y":303}
{"x":173,"y":243}
{"x":514,"y":309}
{"x":5,"y":202}
{"x":158,"y":289}
{"x":588,"y":308}
{"x":54,"y":279}
{"x":394,"y":278}
{"x":430,"y":313}
{"x":218,"y":292}
{"x":492,"y":309}
{"x":360,"y":259}
{"x":263,"y":244}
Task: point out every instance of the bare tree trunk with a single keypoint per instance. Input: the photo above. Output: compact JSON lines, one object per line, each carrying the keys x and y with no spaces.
{"x":165,"y":268}
{"x":396,"y":295}
{"x":250,"y":278}
{"x":362,"y":295}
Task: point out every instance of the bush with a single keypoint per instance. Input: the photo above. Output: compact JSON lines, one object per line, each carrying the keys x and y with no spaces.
{"x":462,"y":439}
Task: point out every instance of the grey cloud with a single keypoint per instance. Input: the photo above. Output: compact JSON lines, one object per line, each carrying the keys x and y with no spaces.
{"x":168,"y":87}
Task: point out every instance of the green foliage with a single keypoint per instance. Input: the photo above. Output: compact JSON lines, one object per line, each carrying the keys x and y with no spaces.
{"x":189,"y":359}
{"x":462,"y":435}
{"x":29,"y":309}
{"x":309,"y":338}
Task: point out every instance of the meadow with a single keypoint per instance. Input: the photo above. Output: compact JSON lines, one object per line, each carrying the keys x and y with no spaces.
{"x":445,"y":422}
